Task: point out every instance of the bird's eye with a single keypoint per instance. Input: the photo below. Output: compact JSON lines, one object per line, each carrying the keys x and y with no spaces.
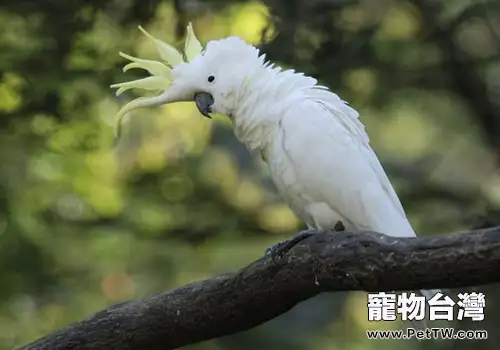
{"x":211,"y":79}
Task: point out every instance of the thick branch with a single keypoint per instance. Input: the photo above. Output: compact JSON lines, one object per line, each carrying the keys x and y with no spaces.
{"x":265,"y":289}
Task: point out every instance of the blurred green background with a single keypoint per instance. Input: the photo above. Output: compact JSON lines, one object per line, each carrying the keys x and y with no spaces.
{"x":86,"y":222}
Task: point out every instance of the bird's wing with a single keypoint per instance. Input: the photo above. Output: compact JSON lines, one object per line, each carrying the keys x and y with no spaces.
{"x":334,"y":162}
{"x":348,"y":117}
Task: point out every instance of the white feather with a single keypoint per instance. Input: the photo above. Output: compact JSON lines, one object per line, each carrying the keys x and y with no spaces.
{"x":315,"y":145}
{"x":319,"y":155}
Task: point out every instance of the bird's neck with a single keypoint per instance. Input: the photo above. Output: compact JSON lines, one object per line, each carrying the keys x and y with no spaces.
{"x":264,"y":99}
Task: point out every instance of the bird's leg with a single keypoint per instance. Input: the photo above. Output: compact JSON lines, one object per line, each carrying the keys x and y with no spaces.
{"x":339,"y":226}
{"x":281,"y":248}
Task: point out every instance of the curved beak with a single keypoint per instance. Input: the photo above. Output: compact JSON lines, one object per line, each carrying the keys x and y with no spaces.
{"x":204,"y":102}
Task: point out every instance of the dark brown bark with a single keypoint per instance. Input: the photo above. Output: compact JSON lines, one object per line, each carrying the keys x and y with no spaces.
{"x":326,"y":262}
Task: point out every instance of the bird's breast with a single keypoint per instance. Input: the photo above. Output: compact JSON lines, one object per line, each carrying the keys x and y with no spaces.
{"x":295,"y":192}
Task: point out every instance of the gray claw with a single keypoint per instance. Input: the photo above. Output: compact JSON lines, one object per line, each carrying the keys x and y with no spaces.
{"x":278,"y":250}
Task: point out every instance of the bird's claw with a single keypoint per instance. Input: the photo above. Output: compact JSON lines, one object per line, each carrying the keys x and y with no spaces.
{"x":278,"y":250}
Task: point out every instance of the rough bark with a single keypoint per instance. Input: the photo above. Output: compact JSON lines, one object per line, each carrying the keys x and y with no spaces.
{"x":326,"y":262}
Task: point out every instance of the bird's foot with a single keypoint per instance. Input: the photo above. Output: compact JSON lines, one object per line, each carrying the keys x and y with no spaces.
{"x":278,"y":250}
{"x":339,"y":226}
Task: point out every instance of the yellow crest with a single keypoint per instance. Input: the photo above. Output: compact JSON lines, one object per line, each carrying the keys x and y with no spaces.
{"x":160,"y":78}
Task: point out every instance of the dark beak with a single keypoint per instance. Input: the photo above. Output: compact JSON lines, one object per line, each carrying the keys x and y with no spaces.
{"x":204,"y":102}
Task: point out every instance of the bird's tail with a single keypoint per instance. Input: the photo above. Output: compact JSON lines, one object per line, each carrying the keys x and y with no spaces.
{"x":419,"y":325}
{"x":427,"y":293}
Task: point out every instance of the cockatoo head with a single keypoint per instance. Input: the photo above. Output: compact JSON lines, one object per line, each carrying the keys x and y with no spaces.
{"x":213,"y":78}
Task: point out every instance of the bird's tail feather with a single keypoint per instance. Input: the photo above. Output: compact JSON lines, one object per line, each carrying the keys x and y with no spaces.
{"x":422,"y":324}
{"x":429,"y":293}
{"x":419,"y":325}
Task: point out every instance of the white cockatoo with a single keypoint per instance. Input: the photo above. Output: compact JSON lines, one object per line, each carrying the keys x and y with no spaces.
{"x":316,"y":148}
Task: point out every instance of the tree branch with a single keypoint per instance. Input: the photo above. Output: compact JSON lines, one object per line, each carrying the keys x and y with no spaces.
{"x":265,"y":289}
